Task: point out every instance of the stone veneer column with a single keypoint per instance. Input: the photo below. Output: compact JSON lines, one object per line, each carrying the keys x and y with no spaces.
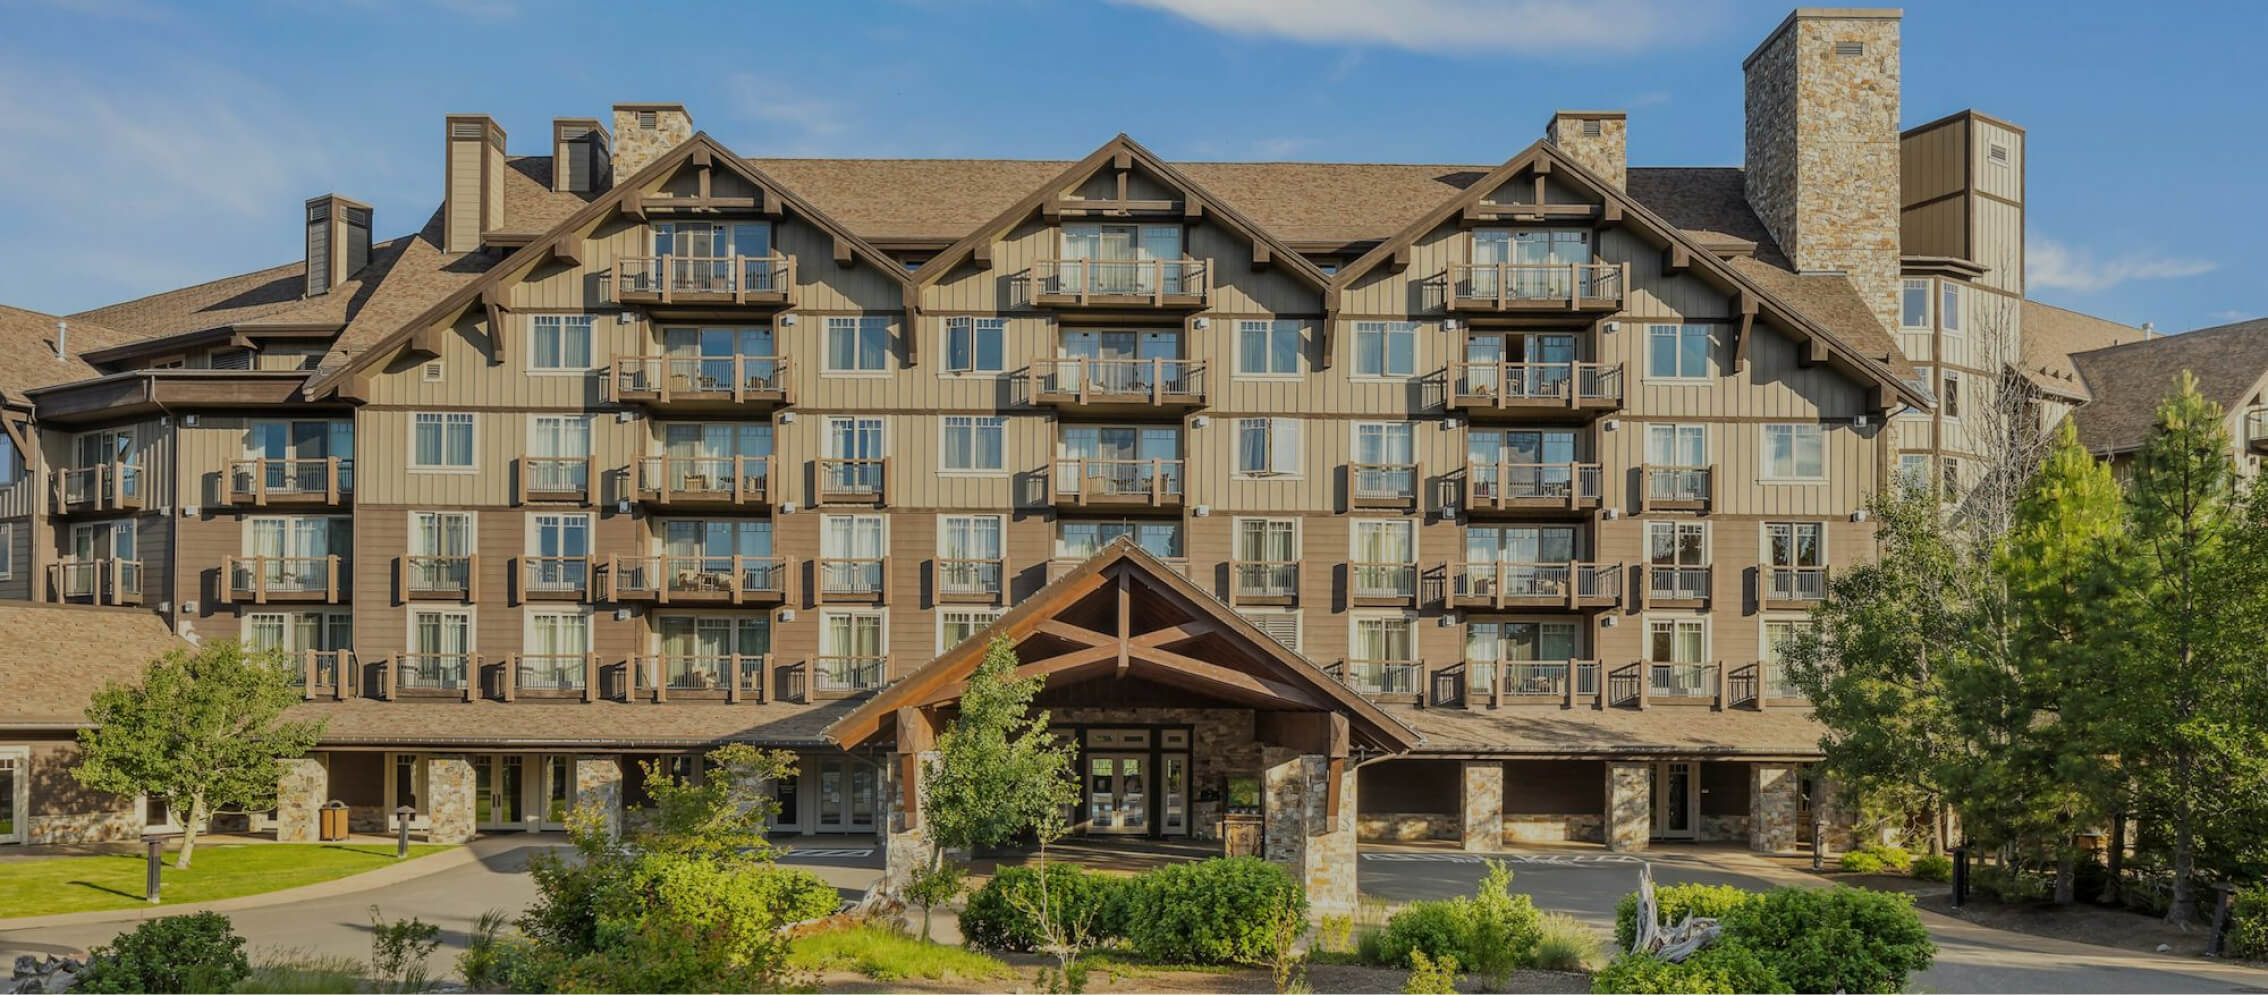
{"x":1484,"y":806}
{"x":1629,"y":806}
{"x":1773,"y":801}
{"x":1299,"y":833}
{"x":299,"y":799}
{"x":905,"y":850}
{"x":450,"y":805}
{"x":598,"y":786}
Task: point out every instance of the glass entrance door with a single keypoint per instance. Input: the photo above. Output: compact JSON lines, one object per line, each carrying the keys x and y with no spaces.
{"x":1676,"y":800}
{"x":497,"y":785}
{"x":1118,"y":795}
{"x":845,"y":795}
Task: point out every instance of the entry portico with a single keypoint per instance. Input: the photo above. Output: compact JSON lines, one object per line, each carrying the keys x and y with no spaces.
{"x":1188,"y":721}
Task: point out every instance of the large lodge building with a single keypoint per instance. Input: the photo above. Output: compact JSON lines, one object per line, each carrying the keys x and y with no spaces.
{"x":1341,"y":501}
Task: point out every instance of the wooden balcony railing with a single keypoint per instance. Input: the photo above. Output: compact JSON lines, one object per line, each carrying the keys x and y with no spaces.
{"x":730,"y":676}
{"x":840,"y":676}
{"x":1383,"y":584}
{"x":554,"y":578}
{"x":263,"y":579}
{"x":549,"y":478}
{"x":1535,"y":585}
{"x":1077,"y":381}
{"x":736,"y":279}
{"x":551,"y":675}
{"x":1562,"y":682}
{"x":1535,"y":387}
{"x":324,"y":673}
{"x":432,"y":675}
{"x":853,"y":481}
{"x":422,"y":577}
{"x":1532,"y":486}
{"x":663,"y":381}
{"x":960,"y":579}
{"x":856,"y":579}
{"x":2256,"y":431}
{"x":1156,"y":283}
{"x":107,"y":581}
{"x":1684,"y":681}
{"x":1675,"y":584}
{"x":1537,"y":286}
{"x":1384,"y":485}
{"x":1154,"y":483}
{"x":109,"y":487}
{"x":704,"y":481}
{"x":1263,"y":582}
{"x":1791,"y":587}
{"x":1676,"y":488}
{"x":666,"y":579}
{"x":325,"y":483}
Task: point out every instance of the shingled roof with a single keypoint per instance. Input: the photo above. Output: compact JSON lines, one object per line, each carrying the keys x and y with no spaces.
{"x":2127,"y":381}
{"x":2053,"y":334}
{"x":58,"y":655}
{"x":28,"y":358}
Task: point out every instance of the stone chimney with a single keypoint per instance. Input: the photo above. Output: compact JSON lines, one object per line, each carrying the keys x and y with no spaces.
{"x":1822,"y":140}
{"x":581,"y":152}
{"x":1597,"y":140}
{"x":475,"y":193}
{"x":645,"y":132}
{"x":338,"y":241}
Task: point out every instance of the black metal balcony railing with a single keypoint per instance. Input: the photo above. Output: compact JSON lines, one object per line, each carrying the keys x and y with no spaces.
{"x":962,"y":578}
{"x":836,"y":674}
{"x":260,"y":579}
{"x":1384,"y":678}
{"x":1264,"y":581}
{"x":853,"y":577}
{"x":1670,"y":582}
{"x":1794,"y":585}
{"x":1377,"y":485}
{"x":1681,"y":680}
{"x":432,"y":671}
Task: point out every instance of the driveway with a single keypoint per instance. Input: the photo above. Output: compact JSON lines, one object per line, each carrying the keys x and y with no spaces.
{"x":1970,"y":958}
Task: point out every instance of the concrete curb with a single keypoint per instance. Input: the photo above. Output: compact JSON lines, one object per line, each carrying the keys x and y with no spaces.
{"x":368,"y":880}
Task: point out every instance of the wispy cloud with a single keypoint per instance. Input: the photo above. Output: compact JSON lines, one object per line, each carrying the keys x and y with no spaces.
{"x":802,"y":124}
{"x":1650,"y":98}
{"x":1524,"y":27}
{"x":2049,"y":263}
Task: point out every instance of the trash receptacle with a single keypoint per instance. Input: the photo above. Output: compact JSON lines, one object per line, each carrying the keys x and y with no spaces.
{"x":334,"y":821}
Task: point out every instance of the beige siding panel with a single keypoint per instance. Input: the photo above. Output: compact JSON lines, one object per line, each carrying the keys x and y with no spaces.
{"x":2000,"y":244}
{"x":2000,"y":181}
{"x":464,"y":184}
{"x":1238,"y":288}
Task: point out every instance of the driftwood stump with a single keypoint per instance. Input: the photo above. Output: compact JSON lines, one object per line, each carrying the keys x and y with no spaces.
{"x":1675,"y":943}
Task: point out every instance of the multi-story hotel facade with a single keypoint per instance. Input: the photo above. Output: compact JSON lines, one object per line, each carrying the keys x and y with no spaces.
{"x":1336,"y":501}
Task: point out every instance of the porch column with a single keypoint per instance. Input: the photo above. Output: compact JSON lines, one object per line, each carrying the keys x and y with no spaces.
{"x":450,"y":807}
{"x":1773,"y":804}
{"x":906,"y":845}
{"x":1484,"y":806}
{"x":598,"y":788}
{"x":1629,"y":806}
{"x":299,"y":799}
{"x":1300,"y":832}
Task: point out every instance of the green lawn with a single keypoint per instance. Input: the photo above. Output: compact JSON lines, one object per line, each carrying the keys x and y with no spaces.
{"x":85,"y":884}
{"x":887,"y":956}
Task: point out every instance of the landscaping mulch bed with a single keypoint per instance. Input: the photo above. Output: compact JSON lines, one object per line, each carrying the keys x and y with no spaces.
{"x":1326,"y":979}
{"x":2079,"y":923}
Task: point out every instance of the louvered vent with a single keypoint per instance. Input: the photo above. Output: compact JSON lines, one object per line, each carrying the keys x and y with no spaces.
{"x":649,"y":120}
{"x":358,"y":216}
{"x":1592,"y":128}
{"x":1998,"y":154}
{"x":432,"y":373}
{"x":1283,"y":627}
{"x":465,"y":129}
{"x":318,"y":212}
{"x":1850,"y":49}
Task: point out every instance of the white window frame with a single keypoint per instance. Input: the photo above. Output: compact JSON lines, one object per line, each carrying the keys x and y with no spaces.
{"x":1409,"y":620}
{"x":1270,"y":327}
{"x":446,"y":418}
{"x":537,"y":421}
{"x":976,"y":423}
{"x":582,"y":613}
{"x":7,"y":550}
{"x":943,"y":527}
{"x":1912,"y":470}
{"x":1384,"y":330}
{"x":1284,"y":456}
{"x":1949,"y":391}
{"x":1646,"y":637}
{"x":857,"y":324}
{"x":562,"y":322}
{"x":883,"y":630}
{"x":1236,"y":532}
{"x":1678,"y":432}
{"x":1675,"y":527}
{"x":534,"y":530}
{"x":1354,"y":536}
{"x":976,"y":327}
{"x":472,"y":631}
{"x":11,"y":463}
{"x":990,"y":615}
{"x":472,"y":532}
{"x":1764,"y":472}
{"x":1764,"y":538}
{"x":1682,"y":329}
{"x":1906,"y":287}
{"x":22,"y":800}
{"x":1949,"y":307}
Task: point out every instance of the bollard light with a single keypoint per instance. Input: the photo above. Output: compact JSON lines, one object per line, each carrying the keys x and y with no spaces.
{"x":153,"y":883}
{"x":402,"y":818}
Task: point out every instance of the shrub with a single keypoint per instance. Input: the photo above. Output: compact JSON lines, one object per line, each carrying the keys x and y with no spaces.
{"x":398,"y":951}
{"x":1430,"y":975}
{"x":482,"y":964}
{"x":887,"y":955}
{"x":1861,"y":862}
{"x":1933,"y":867}
{"x":2248,"y":923}
{"x":1722,"y":969}
{"x":298,"y":973}
{"x":994,"y":918}
{"x":1837,"y":939}
{"x":930,"y":887}
{"x":1502,"y":927}
{"x":1894,"y":857}
{"x":1222,"y":911}
{"x":1564,"y":943}
{"x":191,"y":953}
{"x":1436,"y":929}
{"x":1706,"y":901}
{"x":2009,"y":885}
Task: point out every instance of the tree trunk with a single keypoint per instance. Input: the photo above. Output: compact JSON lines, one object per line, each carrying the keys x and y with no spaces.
{"x":2115,"y":860}
{"x":2183,"y":908}
{"x":190,"y":825}
{"x":1940,"y":828}
{"x":2066,"y":876}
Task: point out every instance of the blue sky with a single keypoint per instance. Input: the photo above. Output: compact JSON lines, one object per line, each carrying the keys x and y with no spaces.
{"x":146,"y":145}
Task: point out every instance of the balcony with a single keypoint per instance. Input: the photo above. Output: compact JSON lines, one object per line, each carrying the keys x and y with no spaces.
{"x":553,"y":479}
{"x":717,"y":483}
{"x":2256,"y":431}
{"x":1675,"y":586}
{"x":749,"y":281}
{"x":697,"y":677}
{"x":1676,"y":488}
{"x":324,"y":673}
{"x":851,"y":482}
{"x":1119,"y":483}
{"x":1118,"y":386}
{"x":1684,"y":682}
{"x":1384,"y":486}
{"x":553,"y":578}
{"x":1136,"y":284}
{"x":1263,"y":582}
{"x":421,"y":577}
{"x":1383,"y":585}
{"x":968,"y":581}
{"x":1500,"y":586}
{"x":1390,"y":680}
{"x":1522,"y":682}
{"x":1532,"y":488}
{"x":297,"y":483}
{"x":1550,"y":391}
{"x":261,"y":580}
{"x":106,"y":488}
{"x":856,"y":580}
{"x":572,"y":676}
{"x":95,"y":582}
{"x":735,"y":385}
{"x":1790,"y":588}
{"x":836,"y":676}
{"x":1533,"y":288}
{"x":431,"y":675}
{"x":699,"y":580}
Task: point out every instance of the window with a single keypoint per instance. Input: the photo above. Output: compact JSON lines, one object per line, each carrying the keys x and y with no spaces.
{"x":7,"y":550}
{"x":441,"y":633}
{"x":1121,"y":258}
{"x":1677,"y":352}
{"x":712,"y":637}
{"x":1390,"y":639}
{"x":1385,"y":348}
{"x":969,"y":556}
{"x":1267,"y":447}
{"x":1267,"y":540}
{"x":1676,"y":640}
{"x":1526,"y":544}
{"x":1949,"y":394}
{"x":1079,"y":540}
{"x":1267,"y":348}
{"x":1952,"y":478}
{"x":1677,"y":544}
{"x":1677,"y":445}
{"x":560,"y":342}
{"x":857,"y":345}
{"x":1519,"y":642}
{"x":1913,"y":471}
{"x":956,"y":625}
{"x":1913,"y":304}
{"x":703,"y":240}
{"x":1795,"y":544}
{"x":1949,"y":309}
{"x":852,"y":646}
{"x":1384,"y":443}
{"x":555,"y":634}
{"x":441,"y":441}
{"x":1795,"y":452}
{"x":973,"y":345}
{"x":973,"y":442}
{"x":559,"y":437}
{"x":11,"y":463}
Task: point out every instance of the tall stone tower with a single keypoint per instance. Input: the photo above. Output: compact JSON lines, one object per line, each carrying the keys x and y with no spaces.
{"x":1822,"y":145}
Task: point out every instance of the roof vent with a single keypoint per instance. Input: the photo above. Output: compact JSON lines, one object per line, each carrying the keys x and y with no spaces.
{"x":465,"y":129}
{"x":648,"y":120}
{"x":1998,"y":153}
{"x":1850,"y":49}
{"x":1592,"y":128}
